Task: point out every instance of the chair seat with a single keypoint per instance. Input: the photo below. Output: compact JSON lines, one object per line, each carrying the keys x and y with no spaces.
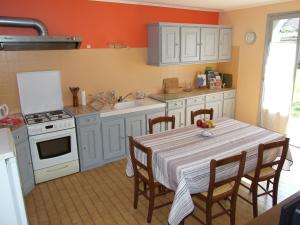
{"x":144,"y":173}
{"x":265,"y":172}
{"x":220,"y":190}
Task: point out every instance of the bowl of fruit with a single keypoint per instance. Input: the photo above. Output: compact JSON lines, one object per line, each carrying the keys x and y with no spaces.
{"x":205,"y":124}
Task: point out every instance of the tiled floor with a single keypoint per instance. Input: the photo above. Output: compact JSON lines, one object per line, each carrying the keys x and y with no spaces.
{"x":104,"y":196}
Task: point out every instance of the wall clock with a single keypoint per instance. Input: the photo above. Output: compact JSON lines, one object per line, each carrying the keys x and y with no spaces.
{"x":250,"y":37}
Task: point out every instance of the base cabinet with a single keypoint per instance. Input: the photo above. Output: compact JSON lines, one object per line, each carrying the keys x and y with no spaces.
{"x":229,"y":108}
{"x":160,"y":127}
{"x":89,"y":142}
{"x":113,"y":136}
{"x":135,"y":126}
{"x":179,"y":117}
{"x":217,"y":107}
{"x":24,"y":159}
{"x":188,"y":111}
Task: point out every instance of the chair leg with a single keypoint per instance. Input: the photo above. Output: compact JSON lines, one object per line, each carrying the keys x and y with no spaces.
{"x":208,"y":214}
{"x":275,"y":191}
{"x":151,"y":204}
{"x":232,"y":210}
{"x":136,"y":194}
{"x":254,"y":200}
{"x":268,"y":184}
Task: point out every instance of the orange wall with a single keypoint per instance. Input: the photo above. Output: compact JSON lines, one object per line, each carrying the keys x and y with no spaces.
{"x":100,"y":23}
{"x":250,"y":63}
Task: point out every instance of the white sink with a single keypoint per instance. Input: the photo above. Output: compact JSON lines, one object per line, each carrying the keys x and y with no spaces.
{"x":126,"y":105}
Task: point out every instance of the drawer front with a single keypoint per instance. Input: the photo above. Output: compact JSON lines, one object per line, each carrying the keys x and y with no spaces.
{"x":175,"y":104}
{"x":87,"y":120}
{"x":214,"y":97}
{"x":195,"y":101}
{"x":229,"y":94}
{"x":20,"y":135}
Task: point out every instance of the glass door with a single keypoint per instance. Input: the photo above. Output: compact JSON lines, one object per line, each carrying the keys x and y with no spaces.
{"x":294,"y":120}
{"x":279,"y":71}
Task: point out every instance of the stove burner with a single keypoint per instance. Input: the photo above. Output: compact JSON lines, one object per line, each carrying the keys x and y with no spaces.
{"x":38,"y":120}
{"x":46,"y":116}
{"x":56,"y":112}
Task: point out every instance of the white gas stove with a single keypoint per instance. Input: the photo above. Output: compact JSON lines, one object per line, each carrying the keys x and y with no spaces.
{"x":45,"y":122}
{"x":51,"y":129}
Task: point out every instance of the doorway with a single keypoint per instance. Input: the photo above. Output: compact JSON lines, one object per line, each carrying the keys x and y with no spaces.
{"x":280,"y":100}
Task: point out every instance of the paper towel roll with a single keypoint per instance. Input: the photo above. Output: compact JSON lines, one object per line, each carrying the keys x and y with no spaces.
{"x":83,"y":97}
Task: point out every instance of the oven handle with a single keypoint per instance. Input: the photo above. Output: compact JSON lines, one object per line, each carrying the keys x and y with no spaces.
{"x":65,"y":166}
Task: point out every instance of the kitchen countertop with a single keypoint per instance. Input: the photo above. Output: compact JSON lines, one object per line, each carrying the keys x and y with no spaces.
{"x":193,"y":93}
{"x":80,"y":110}
{"x":109,"y":110}
{"x":13,"y":127}
{"x":142,"y":104}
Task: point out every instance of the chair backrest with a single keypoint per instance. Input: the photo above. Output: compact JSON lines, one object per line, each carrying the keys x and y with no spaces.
{"x":137,"y":165}
{"x":273,"y":146}
{"x":234,"y":179}
{"x":161,"y":119}
{"x":209,"y":112}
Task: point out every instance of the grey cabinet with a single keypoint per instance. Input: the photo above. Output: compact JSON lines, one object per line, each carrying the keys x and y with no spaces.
{"x":24,"y":159}
{"x":135,"y":125}
{"x":113,"y":136}
{"x":160,"y":127}
{"x":215,"y":101}
{"x":190,"y":44}
{"x":177,"y":108}
{"x":89,"y":142}
{"x":169,"y":44}
{"x":163,"y":44}
{"x":229,"y":104}
{"x":209,"y":43}
{"x":225,"y":44}
{"x":174,"y":43}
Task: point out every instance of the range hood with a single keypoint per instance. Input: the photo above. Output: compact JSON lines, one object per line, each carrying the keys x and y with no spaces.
{"x":39,"y":42}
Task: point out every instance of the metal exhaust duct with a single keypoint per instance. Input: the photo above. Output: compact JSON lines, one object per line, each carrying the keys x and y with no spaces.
{"x":39,"y":42}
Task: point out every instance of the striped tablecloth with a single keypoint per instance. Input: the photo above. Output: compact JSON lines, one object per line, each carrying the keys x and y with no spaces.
{"x":181,"y":157}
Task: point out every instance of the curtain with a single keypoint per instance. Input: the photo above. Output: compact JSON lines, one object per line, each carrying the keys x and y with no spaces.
{"x":278,"y":82}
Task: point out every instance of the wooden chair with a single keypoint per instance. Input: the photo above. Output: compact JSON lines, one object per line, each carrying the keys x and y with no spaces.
{"x":225,"y":189}
{"x":143,"y":174}
{"x":161,"y":119}
{"x":265,"y":172}
{"x":209,"y":112}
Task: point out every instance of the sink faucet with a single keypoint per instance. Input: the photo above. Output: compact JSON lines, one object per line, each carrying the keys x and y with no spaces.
{"x":121,"y":99}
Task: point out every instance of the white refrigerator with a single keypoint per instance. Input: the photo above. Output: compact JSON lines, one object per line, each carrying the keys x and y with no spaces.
{"x":12,"y":207}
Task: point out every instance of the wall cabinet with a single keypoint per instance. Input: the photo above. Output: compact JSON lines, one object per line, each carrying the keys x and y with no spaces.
{"x":113,"y":131}
{"x":225,"y":44}
{"x":209,"y":44}
{"x":24,"y":159}
{"x":172,"y":43}
{"x":89,"y":142}
{"x":190,"y":44}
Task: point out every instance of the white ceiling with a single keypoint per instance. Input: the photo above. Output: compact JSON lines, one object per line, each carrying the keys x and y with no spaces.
{"x":213,"y":5}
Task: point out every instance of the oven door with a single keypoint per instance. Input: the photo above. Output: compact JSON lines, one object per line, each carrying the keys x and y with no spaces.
{"x":53,"y":148}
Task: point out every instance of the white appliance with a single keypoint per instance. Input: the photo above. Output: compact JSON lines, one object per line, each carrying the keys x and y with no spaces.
{"x":12,"y":207}
{"x":51,"y":129}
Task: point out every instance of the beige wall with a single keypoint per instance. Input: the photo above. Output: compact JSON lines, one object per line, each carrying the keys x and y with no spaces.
{"x":94,"y":70}
{"x":250,"y":63}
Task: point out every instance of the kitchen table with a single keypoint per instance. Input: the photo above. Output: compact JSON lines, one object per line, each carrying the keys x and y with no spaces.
{"x":181,"y":157}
